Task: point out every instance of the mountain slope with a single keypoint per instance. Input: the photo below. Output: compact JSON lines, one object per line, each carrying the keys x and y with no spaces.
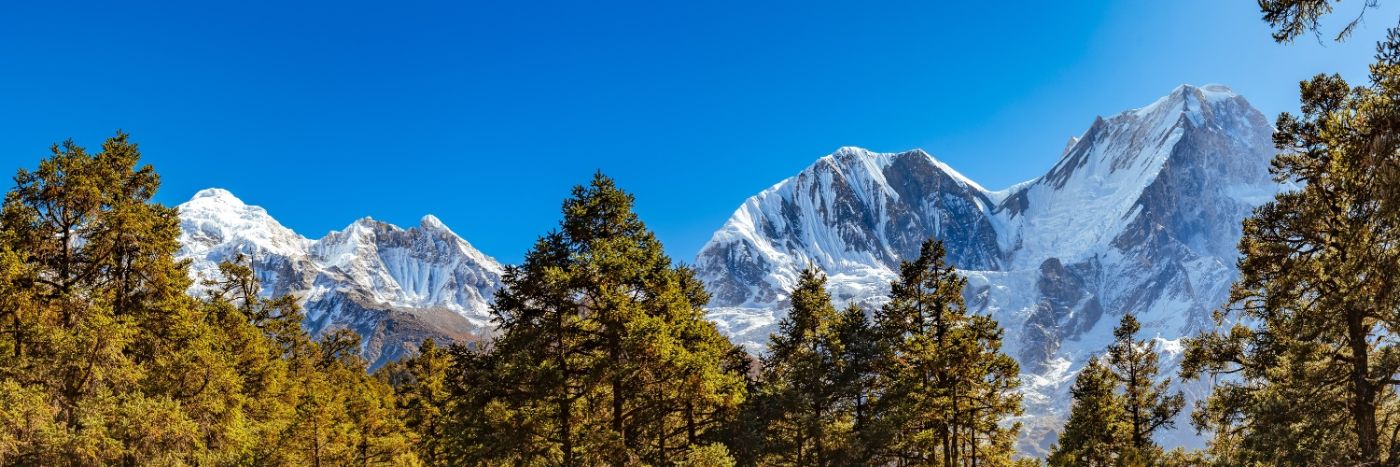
{"x":855,"y":214}
{"x":394,"y":286}
{"x":1140,"y":213}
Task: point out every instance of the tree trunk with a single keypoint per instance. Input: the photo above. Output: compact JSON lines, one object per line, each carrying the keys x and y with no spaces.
{"x":617,"y":412}
{"x":566,"y":431}
{"x":1134,"y":397}
{"x":1363,"y":391}
{"x":947,"y":447}
{"x":690,"y":422}
{"x":818,"y":434}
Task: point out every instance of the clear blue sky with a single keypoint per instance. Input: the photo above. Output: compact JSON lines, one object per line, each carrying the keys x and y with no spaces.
{"x":486,"y":113}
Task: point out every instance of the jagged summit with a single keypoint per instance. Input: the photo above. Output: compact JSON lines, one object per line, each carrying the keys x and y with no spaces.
{"x":854,"y":213}
{"x":1189,"y":98}
{"x":431,"y":222}
{"x":394,"y":286}
{"x":214,"y":221}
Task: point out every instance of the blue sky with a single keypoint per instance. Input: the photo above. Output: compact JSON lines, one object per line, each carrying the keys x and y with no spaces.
{"x":486,"y":113}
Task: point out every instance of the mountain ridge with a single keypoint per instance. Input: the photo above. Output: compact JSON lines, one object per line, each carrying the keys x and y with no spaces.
{"x":394,"y":286}
{"x":1139,"y":213}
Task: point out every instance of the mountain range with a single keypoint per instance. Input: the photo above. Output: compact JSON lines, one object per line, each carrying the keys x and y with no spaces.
{"x":1140,"y":213}
{"x":393,"y":286}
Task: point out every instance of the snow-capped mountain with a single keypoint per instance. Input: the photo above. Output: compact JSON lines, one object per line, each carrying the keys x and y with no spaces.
{"x":1141,"y":213}
{"x":394,"y":286}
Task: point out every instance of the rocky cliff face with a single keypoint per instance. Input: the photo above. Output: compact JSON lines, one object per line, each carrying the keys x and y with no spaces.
{"x":394,"y":286}
{"x":1140,"y":214}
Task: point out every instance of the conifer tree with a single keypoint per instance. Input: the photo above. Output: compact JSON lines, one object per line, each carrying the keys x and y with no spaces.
{"x":945,"y":388}
{"x":1146,"y":404}
{"x":802,"y":378}
{"x":855,"y":363}
{"x":106,"y":359}
{"x":423,"y":392}
{"x":1312,"y":317}
{"x":100,"y":327}
{"x":604,"y":355}
{"x":1315,"y":304}
{"x":307,"y":402}
{"x":1293,"y":18}
{"x":1097,"y":432}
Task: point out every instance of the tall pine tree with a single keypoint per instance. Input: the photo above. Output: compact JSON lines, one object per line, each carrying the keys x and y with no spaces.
{"x":604,"y":355}
{"x":945,"y":386}
{"x":1147,"y":405}
{"x":1097,"y":431}
{"x":1313,"y":314}
{"x":802,"y":380}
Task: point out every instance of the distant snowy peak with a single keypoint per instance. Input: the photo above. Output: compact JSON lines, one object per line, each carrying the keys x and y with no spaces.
{"x":1133,"y":145}
{"x":1095,"y":190}
{"x":1141,"y":213}
{"x":1177,"y":173}
{"x":395,"y":286}
{"x":855,"y":214}
{"x":215,"y":218}
{"x":423,"y":266}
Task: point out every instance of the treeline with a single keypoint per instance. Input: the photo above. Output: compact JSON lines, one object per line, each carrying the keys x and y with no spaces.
{"x":105,"y":359}
{"x":605,"y":358}
{"x":603,"y":355}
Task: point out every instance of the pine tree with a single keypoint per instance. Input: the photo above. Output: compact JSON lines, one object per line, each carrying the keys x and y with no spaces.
{"x":306,"y":402}
{"x":100,"y":327}
{"x":423,"y":392}
{"x":706,"y":385}
{"x":1146,"y":403}
{"x":1316,"y":288}
{"x":855,"y":389}
{"x":604,"y":354}
{"x":1311,"y":317}
{"x":1097,"y":431}
{"x":945,"y":387}
{"x":802,"y":378}
{"x":1293,"y":18}
{"x":105,"y":358}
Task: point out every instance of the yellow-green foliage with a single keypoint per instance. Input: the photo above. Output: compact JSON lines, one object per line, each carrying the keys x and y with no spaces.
{"x":105,"y":359}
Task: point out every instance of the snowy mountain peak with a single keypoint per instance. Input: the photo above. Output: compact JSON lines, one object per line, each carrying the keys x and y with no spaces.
{"x":854,"y":213}
{"x":432,"y":223}
{"x":851,"y":151}
{"x":218,"y":194}
{"x":216,"y":219}
{"x":1187,"y":98}
{"x":394,"y":286}
{"x":1140,"y":213}
{"x":367,"y":222}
